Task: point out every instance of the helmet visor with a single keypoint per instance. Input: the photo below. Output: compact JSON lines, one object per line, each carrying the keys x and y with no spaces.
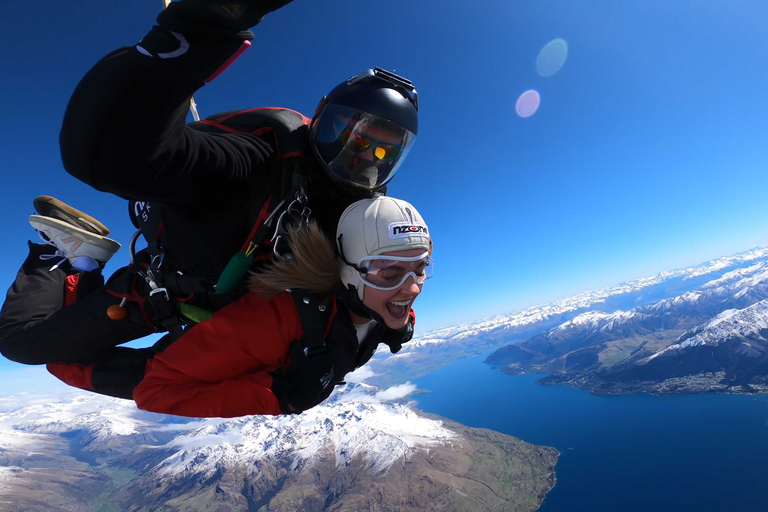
{"x":359,"y":148}
{"x":390,"y":272}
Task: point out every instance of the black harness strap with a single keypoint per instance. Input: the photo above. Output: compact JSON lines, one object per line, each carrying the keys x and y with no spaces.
{"x":315,"y":313}
{"x":165,"y":313}
{"x":179,"y":284}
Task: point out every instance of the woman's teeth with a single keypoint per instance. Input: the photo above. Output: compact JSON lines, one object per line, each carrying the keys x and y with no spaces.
{"x":398,"y":309}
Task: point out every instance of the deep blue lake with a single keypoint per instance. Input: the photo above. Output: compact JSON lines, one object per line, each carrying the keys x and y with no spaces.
{"x":626,"y":453}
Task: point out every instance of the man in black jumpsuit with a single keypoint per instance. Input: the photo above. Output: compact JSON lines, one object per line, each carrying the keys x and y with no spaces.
{"x":209,"y":185}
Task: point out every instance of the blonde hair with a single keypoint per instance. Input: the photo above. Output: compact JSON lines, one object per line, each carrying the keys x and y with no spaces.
{"x":314,"y":266}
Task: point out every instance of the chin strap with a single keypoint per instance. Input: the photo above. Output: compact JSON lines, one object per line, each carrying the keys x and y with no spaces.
{"x":349,"y":297}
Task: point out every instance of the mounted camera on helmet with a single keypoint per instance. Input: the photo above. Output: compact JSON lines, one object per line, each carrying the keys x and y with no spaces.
{"x":365,"y":127}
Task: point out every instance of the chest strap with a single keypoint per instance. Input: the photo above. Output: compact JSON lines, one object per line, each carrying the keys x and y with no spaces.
{"x":315,"y":313}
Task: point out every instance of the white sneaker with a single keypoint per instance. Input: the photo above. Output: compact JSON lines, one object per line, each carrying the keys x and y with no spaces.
{"x":48,"y":206}
{"x":72,"y":242}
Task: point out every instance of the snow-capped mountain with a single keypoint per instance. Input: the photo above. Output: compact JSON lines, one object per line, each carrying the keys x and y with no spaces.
{"x":437,"y":348}
{"x":357,"y":452}
{"x":736,"y":289}
{"x":744,"y":325}
{"x":708,"y":339}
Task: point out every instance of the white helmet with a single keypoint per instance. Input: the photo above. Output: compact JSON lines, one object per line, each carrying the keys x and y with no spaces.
{"x":375,"y":226}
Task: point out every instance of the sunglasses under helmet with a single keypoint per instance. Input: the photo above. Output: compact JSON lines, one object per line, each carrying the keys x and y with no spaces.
{"x":366,"y":128}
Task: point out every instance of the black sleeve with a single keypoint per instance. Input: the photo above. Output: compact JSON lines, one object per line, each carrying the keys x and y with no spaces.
{"x":124,"y":129}
{"x":120,"y":370}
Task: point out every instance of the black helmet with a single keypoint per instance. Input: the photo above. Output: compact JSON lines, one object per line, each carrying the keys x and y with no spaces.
{"x":365,"y":128}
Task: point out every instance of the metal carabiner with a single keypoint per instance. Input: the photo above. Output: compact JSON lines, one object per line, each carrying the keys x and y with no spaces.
{"x":298,"y":211}
{"x":154,"y":266}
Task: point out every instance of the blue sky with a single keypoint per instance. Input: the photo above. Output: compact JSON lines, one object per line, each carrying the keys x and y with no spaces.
{"x":647,"y":151}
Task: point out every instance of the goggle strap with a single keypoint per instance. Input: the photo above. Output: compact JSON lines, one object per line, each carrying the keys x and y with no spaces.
{"x":344,"y":259}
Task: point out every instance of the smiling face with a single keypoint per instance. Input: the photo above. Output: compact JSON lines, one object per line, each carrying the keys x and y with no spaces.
{"x":394,"y":305}
{"x":384,"y":251}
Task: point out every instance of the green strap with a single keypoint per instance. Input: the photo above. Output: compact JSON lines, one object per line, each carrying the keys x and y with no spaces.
{"x":193,"y":314}
{"x":234,"y":272}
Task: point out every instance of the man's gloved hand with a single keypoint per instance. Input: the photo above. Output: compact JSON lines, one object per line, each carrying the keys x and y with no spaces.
{"x":308,"y":382}
{"x":198,"y":17}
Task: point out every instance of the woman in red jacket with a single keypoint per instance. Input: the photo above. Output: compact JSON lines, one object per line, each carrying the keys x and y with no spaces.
{"x":260,"y":356}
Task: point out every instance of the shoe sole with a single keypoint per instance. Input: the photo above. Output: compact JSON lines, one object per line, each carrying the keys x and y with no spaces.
{"x":40,"y":223}
{"x":47,"y":205}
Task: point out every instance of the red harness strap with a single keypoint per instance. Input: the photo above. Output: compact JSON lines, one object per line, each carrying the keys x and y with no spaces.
{"x":70,"y":289}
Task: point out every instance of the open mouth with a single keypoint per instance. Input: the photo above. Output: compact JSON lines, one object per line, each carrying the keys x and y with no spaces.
{"x":399,"y":309}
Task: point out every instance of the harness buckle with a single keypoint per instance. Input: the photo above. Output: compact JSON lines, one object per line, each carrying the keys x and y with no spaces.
{"x":164,"y":291}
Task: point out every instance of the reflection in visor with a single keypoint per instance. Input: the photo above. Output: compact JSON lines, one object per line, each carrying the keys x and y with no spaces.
{"x":359,"y":148}
{"x":390,"y":272}
{"x":359,"y":143}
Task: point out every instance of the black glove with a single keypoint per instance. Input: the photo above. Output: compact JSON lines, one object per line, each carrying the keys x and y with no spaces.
{"x":120,"y":370}
{"x":309,"y":380}
{"x":201,"y":17}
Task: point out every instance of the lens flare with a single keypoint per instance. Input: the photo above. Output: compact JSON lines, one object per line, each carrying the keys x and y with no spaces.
{"x":528,"y":103}
{"x":552,"y":57}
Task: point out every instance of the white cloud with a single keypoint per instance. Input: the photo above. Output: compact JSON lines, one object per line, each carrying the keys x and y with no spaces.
{"x":30,"y":399}
{"x":368,"y":395}
{"x":396,"y":392}
{"x":361,"y":395}
{"x":360,"y":375}
{"x":27,"y":379}
{"x":196,"y":442}
{"x":190,"y":425}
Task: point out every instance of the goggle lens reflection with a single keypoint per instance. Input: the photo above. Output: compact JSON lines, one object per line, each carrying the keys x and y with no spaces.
{"x":390,"y":272}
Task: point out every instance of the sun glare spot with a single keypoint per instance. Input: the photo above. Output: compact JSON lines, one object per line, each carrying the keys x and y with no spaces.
{"x":552,"y":57}
{"x":528,"y":103}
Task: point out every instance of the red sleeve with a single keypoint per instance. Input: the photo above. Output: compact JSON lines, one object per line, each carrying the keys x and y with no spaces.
{"x":73,"y":374}
{"x":222,"y":366}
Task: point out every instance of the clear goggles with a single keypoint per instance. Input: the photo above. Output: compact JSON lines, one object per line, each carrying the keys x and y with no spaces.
{"x":359,"y":148}
{"x":390,"y":272}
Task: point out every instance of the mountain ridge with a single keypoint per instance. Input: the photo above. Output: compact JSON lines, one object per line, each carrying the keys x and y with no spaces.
{"x":707,"y":340}
{"x":434,"y":349}
{"x":354,"y":453}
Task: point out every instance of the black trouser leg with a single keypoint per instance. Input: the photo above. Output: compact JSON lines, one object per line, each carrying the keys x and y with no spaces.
{"x":36,"y":328}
